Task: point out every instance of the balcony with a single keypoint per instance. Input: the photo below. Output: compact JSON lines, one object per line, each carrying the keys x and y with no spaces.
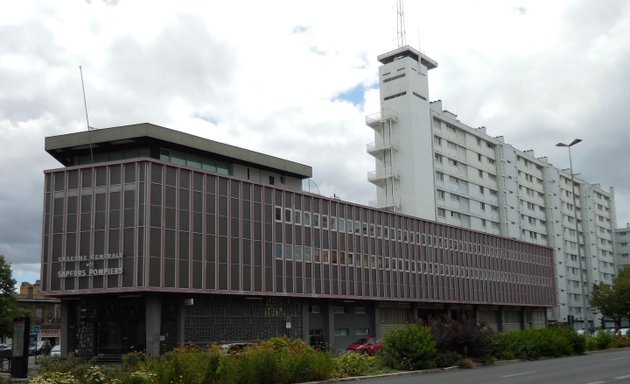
{"x":377,"y":151}
{"x":380,"y":179}
{"x":376,"y":120}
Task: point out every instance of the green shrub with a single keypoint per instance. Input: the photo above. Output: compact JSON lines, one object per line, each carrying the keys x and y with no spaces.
{"x":408,"y":348}
{"x":356,"y":364}
{"x":599,"y":340}
{"x":278,"y":360}
{"x":445,"y":359}
{"x":466,"y":336}
{"x":185,"y":364}
{"x":533,"y":344}
{"x":620,"y":342}
{"x":54,"y":378}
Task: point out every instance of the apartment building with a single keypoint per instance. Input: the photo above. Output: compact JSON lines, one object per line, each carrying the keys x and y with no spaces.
{"x":431,"y":165}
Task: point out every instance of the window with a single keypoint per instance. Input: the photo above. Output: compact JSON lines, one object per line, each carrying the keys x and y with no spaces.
{"x":298,"y":253}
{"x":307,"y":219}
{"x":315,"y":220}
{"x":341,"y":332}
{"x":278,"y":251}
{"x":308,"y":254}
{"x":350,"y":259}
{"x":339,"y":309}
{"x":342,"y":225}
{"x":287,"y":215}
{"x":360,"y":310}
{"x":324,"y":222}
{"x":313,"y":309}
{"x":326,"y":256}
{"x":279,"y":214}
{"x":297,"y":217}
{"x":288,"y":252}
{"x":441,"y":212}
{"x":333,"y":223}
{"x":362,"y":332}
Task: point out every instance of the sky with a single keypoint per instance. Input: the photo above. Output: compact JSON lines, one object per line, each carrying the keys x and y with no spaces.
{"x":295,"y":79}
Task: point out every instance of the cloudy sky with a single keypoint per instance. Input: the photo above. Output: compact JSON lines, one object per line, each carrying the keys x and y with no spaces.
{"x":295,"y":79}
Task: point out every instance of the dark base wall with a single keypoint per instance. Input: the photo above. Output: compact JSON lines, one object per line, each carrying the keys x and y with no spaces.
{"x":156,"y":323}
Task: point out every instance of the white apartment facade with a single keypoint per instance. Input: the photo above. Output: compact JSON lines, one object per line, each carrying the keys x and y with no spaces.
{"x":622,"y":247}
{"x":431,"y":165}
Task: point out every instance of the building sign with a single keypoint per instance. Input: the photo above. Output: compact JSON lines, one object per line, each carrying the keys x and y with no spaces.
{"x":51,"y":332}
{"x":89,"y":269}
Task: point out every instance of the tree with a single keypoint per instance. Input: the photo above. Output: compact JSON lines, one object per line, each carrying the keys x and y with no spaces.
{"x":612,"y":300}
{"x":8,"y":299}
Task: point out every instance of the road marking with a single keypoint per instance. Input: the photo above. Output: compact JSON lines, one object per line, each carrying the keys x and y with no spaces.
{"x":622,"y":377}
{"x":618,"y":358}
{"x":596,"y":382}
{"x":519,"y":374}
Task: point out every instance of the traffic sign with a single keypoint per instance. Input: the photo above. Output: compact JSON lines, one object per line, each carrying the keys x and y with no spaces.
{"x":35,"y":329}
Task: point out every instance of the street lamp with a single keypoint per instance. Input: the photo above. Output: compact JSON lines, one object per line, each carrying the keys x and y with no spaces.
{"x":577,"y":237}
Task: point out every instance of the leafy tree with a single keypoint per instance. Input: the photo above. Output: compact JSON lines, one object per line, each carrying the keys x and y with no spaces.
{"x":8,"y":300}
{"x":612,"y":300}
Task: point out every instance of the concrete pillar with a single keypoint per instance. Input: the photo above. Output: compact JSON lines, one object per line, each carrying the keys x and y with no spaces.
{"x":305,"y":322}
{"x":414,"y":312}
{"x":64,"y":328}
{"x":475,"y":312}
{"x":521,"y":318}
{"x":447,"y":309}
{"x":153,"y":317}
{"x":500,"y":319}
{"x":330,"y":312}
{"x":375,"y":321}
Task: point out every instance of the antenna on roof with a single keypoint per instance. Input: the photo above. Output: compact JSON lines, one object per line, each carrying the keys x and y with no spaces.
{"x":87,"y":118}
{"x":401,"y":33}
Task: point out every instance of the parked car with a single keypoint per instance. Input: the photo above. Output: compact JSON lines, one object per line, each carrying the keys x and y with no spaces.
{"x":623,"y":331}
{"x":55,"y":351}
{"x":368,"y":345}
{"x":6,"y":351}
{"x":234,"y":348}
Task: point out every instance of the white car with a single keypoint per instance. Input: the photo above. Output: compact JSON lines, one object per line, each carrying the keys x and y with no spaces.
{"x":55,"y":351}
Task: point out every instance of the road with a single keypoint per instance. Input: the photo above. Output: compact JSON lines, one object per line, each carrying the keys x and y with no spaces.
{"x":609,"y":367}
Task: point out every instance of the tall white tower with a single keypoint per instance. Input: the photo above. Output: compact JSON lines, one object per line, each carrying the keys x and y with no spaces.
{"x":402,"y":146}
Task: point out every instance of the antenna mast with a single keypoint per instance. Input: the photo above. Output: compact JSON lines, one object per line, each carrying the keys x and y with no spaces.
{"x":87,"y":118}
{"x":401,"y":33}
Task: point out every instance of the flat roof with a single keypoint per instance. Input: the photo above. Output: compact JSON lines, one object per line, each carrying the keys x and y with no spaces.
{"x":63,"y":146}
{"x":407,"y":51}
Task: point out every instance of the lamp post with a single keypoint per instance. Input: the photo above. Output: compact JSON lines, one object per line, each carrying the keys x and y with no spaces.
{"x":577,"y":238}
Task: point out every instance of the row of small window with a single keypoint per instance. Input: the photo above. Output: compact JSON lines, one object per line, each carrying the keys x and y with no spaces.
{"x":194,"y":161}
{"x":438,"y":141}
{"x":480,"y":142}
{"x":530,"y":178}
{"x":529,"y":163}
{"x":439,"y":176}
{"x":340,"y":332}
{"x":309,"y":254}
{"x":531,"y":192}
{"x":533,"y":235}
{"x":315,"y":220}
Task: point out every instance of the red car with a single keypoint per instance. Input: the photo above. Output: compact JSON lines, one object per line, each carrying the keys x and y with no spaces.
{"x":369,"y":345}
